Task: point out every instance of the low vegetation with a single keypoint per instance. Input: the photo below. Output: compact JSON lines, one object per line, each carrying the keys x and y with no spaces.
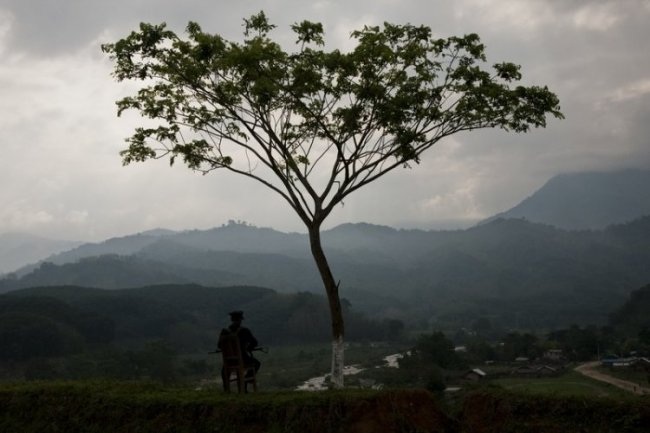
{"x":494,"y":410}
{"x":105,"y":343}
{"x":109,"y":406}
{"x":570,"y":384}
{"x":140,"y":407}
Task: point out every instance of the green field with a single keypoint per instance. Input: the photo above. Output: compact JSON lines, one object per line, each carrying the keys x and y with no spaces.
{"x":641,"y":378}
{"x":569,"y":384}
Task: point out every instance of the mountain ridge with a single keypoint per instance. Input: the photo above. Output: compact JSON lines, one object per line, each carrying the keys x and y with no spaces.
{"x":619,"y":197}
{"x":489,"y":269}
{"x":586,"y":200}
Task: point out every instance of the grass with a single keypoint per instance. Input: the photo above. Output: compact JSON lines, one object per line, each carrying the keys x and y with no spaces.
{"x":110,"y":406}
{"x":567,"y":385}
{"x":124,"y":407}
{"x":639,"y":377}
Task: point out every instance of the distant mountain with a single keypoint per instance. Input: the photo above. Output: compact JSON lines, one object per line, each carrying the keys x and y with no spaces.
{"x":234,"y":237}
{"x":516,"y":272}
{"x":587,"y":200}
{"x":125,"y":245}
{"x":111,"y":271}
{"x":20,"y":249}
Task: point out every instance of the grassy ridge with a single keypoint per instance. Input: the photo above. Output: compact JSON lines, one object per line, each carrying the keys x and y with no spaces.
{"x":135,"y":407}
{"x":106,"y":407}
{"x":494,"y":410}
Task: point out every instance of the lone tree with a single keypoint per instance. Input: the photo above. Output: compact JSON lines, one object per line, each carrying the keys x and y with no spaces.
{"x":313,"y":125}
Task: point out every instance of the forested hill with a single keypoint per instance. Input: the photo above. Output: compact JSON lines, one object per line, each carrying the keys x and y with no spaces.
{"x":514,"y":271}
{"x":50,"y":321}
{"x":591,"y":200}
{"x":633,"y":317}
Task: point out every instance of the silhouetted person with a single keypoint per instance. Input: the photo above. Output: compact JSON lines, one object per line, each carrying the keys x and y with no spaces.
{"x":247,"y":342}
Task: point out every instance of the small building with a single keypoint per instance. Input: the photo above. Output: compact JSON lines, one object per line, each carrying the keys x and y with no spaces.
{"x":535,"y":371}
{"x":608,"y":361}
{"x":453,"y":389}
{"x":618,"y":362}
{"x":474,"y":375}
{"x":624,"y":362}
{"x":554,"y":354}
{"x":524,"y":370}
{"x":546,"y":370}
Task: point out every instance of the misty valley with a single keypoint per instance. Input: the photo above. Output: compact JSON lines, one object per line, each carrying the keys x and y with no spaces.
{"x":510,"y":302}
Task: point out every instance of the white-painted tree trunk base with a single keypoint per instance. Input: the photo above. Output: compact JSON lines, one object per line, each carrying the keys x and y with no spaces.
{"x":337,"y":362}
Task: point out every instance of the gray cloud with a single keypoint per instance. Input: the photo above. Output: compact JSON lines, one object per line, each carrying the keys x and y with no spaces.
{"x":60,"y":173}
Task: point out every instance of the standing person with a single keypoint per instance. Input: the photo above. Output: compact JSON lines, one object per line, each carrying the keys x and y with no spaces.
{"x":247,"y":342}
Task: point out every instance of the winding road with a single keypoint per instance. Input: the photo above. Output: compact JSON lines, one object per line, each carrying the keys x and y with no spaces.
{"x":589,"y":369}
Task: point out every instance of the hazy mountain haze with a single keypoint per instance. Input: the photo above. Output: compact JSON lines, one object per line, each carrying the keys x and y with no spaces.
{"x":590,"y":200}
{"x":20,"y":249}
{"x":554,"y":275}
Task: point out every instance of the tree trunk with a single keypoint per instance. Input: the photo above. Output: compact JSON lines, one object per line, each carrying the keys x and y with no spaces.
{"x":336,"y":313}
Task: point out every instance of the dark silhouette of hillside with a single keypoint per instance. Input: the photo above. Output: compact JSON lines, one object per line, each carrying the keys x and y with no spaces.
{"x":516,"y":271}
{"x":64,"y":320}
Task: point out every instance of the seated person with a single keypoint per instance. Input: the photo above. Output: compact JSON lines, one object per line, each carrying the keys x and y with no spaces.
{"x":247,"y":342}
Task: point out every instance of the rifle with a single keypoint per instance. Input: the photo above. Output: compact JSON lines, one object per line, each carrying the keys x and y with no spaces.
{"x":254,"y":349}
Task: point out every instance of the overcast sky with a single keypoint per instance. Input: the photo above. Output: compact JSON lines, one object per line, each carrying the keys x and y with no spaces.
{"x":61,"y":175}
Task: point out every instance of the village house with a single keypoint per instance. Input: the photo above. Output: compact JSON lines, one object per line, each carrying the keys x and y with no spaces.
{"x":474,"y":375}
{"x":524,"y":370}
{"x":547,"y":370}
{"x":554,"y":355}
{"x":535,"y":371}
{"x":618,"y":362}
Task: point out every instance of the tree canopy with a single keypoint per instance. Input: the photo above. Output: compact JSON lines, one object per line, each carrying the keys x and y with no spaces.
{"x":323,"y":123}
{"x":314,"y":125}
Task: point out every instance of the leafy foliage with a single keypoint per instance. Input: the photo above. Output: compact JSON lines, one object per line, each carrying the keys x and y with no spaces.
{"x":257,"y":110}
{"x":437,"y":349}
